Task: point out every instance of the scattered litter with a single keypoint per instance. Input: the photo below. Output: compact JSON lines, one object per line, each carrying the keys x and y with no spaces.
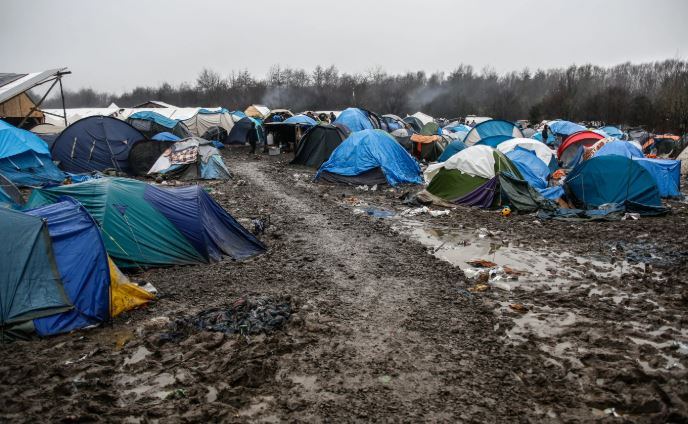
{"x":376,"y":213}
{"x":633,"y":216}
{"x":481,"y":263}
{"x":244,"y":317}
{"x":424,"y":210}
{"x":362,"y":187}
{"x":611,"y":411}
{"x":680,"y":347}
{"x":439,"y":213}
{"x":373,"y":188}
{"x":519,"y":307}
{"x":480,"y":287}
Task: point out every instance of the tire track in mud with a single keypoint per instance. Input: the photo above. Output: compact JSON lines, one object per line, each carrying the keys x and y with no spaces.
{"x":394,"y":335}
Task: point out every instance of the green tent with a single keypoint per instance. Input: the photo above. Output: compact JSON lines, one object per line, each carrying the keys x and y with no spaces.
{"x":470,"y":176}
{"x":30,"y":284}
{"x":147,"y":226}
{"x":431,"y":128}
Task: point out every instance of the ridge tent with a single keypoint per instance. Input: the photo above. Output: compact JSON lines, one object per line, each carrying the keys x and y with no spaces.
{"x":492,"y":132}
{"x":151,"y":123}
{"x":25,"y":158}
{"x":206,"y":120}
{"x":544,"y":153}
{"x":355,"y":119}
{"x":84,"y":268}
{"x":568,"y":149}
{"x":452,"y":148}
{"x":613,"y":179}
{"x":317,"y":145}
{"x":148,"y":226}
{"x":192,"y":158}
{"x":470,"y":177}
{"x":257,"y":111}
{"x":370,"y":157}
{"x":96,"y":143}
{"x":30,"y":284}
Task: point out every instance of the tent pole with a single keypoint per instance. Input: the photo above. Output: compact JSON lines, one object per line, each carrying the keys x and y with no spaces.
{"x":64,"y":110}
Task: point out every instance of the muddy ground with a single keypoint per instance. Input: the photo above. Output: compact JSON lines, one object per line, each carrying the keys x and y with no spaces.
{"x":386,"y":326}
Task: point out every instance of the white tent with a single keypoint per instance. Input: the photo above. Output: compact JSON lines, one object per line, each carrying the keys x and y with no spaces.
{"x":423,"y":117}
{"x":477,"y":161}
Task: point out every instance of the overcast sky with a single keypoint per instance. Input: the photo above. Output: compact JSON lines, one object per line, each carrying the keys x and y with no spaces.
{"x":116,"y":45}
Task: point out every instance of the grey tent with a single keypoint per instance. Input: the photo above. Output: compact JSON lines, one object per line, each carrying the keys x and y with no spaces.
{"x":317,"y":144}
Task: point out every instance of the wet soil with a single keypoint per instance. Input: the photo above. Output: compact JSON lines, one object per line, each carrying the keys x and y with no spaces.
{"x":384,"y":324}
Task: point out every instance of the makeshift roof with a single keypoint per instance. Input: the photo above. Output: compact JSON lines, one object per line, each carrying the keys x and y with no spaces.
{"x":15,"y":84}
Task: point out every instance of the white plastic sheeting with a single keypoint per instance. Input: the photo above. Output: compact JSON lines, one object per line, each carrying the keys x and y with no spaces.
{"x":477,"y":161}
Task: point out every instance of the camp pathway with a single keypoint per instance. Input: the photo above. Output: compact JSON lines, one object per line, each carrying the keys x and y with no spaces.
{"x":395,"y":337}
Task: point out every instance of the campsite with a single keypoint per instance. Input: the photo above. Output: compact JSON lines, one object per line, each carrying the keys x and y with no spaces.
{"x":325,"y":244}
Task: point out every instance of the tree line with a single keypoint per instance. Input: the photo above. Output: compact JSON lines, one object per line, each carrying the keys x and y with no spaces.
{"x":652,"y":95}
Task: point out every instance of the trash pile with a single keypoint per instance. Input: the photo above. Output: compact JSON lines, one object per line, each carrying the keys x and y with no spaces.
{"x":244,"y":316}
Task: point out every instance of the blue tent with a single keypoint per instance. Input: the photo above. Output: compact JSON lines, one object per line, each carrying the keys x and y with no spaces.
{"x":96,"y":143}
{"x":165,"y":136}
{"x":25,"y":158}
{"x":533,"y":170}
{"x":30,"y":285}
{"x":459,"y":128}
{"x":246,"y":130}
{"x":551,"y":138}
{"x":300,"y":119}
{"x":666,"y":172}
{"x":565,"y":128}
{"x":613,"y":179}
{"x":492,"y":132}
{"x":370,"y":150}
{"x":620,"y":148}
{"x":452,"y":148}
{"x":354,"y":119}
{"x":612,"y":132}
{"x":82,"y":263}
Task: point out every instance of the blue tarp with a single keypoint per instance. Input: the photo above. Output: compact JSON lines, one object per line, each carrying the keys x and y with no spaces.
{"x":155,"y":117}
{"x":551,"y":138}
{"x":620,"y":148}
{"x":613,"y":179}
{"x":369,"y":149}
{"x":300,"y":119}
{"x":14,"y":141}
{"x":533,"y":170}
{"x":165,"y":136}
{"x":459,"y":128}
{"x":552,"y":193}
{"x":453,"y":148}
{"x":96,"y":143}
{"x":83,"y":266}
{"x":204,"y":111}
{"x":667,"y":174}
{"x":30,"y":285}
{"x":492,"y":132}
{"x":25,"y":158}
{"x":565,"y":128}
{"x":207,"y":227}
{"x":354,"y":119}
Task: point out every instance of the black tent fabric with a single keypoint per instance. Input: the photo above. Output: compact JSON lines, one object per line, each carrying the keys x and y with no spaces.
{"x":242,"y":132}
{"x":317,"y":145}
{"x":143,"y":155}
{"x":370,"y":178}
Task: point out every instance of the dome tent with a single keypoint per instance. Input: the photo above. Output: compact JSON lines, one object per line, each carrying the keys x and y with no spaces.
{"x":246,"y":130}
{"x":317,"y":144}
{"x":25,"y":158}
{"x":544,"y":153}
{"x":569,"y":149}
{"x":492,"y":132}
{"x":148,"y":226}
{"x":370,"y":157}
{"x":613,"y":179}
{"x":356,"y":119}
{"x":96,"y":143}
{"x":453,"y":148}
{"x":470,"y":177}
